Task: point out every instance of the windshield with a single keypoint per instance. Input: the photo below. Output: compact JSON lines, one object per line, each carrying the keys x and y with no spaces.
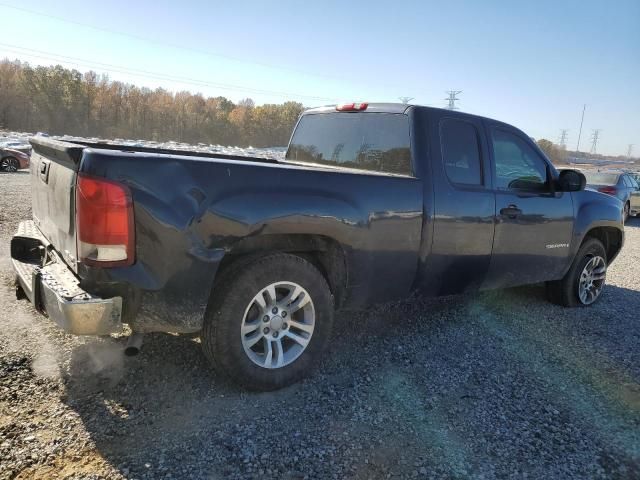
{"x":599,"y":178}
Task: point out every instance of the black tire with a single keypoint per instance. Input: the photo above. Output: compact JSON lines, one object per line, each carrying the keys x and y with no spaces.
{"x":9,"y":164}
{"x":565,"y":292}
{"x":233,"y":293}
{"x":625,"y":212}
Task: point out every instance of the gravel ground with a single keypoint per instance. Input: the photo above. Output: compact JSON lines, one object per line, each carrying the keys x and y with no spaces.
{"x":494,"y":385}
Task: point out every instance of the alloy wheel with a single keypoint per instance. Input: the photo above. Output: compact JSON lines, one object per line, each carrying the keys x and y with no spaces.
{"x":9,"y":164}
{"x":592,"y":280}
{"x":278,"y":324}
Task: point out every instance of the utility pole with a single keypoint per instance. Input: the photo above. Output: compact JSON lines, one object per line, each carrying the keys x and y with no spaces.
{"x":563,"y":138}
{"x":452,"y":99}
{"x":594,"y":139}
{"x":405,"y":100}
{"x":629,"y":149}
{"x":580,"y":132}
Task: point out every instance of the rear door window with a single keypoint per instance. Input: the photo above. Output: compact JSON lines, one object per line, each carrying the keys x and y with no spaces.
{"x":460,"y":152}
{"x":377,"y":142}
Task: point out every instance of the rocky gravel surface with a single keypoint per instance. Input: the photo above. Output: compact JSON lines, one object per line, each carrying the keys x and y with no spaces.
{"x":492,"y":385}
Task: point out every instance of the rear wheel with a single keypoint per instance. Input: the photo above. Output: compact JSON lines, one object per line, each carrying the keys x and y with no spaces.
{"x":9,"y":164}
{"x":584,"y":282}
{"x":268,"y":322}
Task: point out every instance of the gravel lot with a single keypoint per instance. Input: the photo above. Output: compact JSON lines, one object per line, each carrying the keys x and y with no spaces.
{"x":495,"y":385}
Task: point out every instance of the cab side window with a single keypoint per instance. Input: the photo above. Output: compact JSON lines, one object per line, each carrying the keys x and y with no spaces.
{"x":461,"y":152}
{"x":517,"y":165}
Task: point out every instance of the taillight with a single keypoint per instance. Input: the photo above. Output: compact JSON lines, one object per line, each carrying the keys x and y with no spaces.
{"x":352,"y":107}
{"x":104,"y":222}
{"x":608,"y":189}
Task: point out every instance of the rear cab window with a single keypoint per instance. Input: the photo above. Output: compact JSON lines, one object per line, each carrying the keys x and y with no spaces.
{"x":376,"y":142}
{"x":599,"y":178}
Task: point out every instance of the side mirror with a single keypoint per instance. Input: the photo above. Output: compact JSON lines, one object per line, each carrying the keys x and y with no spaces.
{"x":571,"y":181}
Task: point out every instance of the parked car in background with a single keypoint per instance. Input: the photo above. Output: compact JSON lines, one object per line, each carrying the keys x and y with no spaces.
{"x":12,"y":160}
{"x":620,"y":185}
{"x":16,"y":145}
{"x":635,"y":176}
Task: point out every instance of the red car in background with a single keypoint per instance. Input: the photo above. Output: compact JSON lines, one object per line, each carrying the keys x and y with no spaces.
{"x":12,"y":160}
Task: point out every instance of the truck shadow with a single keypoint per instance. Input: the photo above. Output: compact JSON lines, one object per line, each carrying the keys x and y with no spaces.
{"x":166,"y":412}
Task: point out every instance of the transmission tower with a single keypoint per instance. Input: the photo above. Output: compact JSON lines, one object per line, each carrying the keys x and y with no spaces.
{"x":594,"y":139}
{"x":584,"y":107}
{"x":564,"y":133}
{"x":629,"y":149}
{"x":405,"y":100}
{"x":452,"y":99}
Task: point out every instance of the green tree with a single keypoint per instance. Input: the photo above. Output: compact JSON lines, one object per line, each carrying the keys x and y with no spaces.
{"x":63,"y":101}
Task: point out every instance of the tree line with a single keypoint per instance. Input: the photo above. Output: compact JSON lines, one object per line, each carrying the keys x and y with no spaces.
{"x":59,"y":101}
{"x":559,"y":154}
{"x":556,"y":153}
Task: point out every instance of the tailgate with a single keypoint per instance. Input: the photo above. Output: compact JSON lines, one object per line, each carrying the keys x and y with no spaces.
{"x":54,"y":166}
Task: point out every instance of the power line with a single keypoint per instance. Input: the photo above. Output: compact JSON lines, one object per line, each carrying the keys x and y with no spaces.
{"x":187,"y":48}
{"x":405,"y":100}
{"x":595,"y":135}
{"x":629,"y":149}
{"x":171,"y":45}
{"x":110,"y":68}
{"x":452,"y":99}
{"x":563,"y":137}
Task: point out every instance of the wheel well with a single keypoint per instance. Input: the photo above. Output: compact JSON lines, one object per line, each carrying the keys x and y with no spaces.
{"x":610,"y":237}
{"x":323,"y":252}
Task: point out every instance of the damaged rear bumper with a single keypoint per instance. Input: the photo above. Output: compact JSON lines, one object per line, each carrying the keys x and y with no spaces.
{"x":55,"y":290}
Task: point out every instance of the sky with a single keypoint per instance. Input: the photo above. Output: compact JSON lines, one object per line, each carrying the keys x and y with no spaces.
{"x":531,"y":64}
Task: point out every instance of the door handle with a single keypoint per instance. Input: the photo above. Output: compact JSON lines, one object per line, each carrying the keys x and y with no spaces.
{"x":512,"y":211}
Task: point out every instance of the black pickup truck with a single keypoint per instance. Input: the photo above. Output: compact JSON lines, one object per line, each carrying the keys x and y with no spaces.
{"x":370,"y":203}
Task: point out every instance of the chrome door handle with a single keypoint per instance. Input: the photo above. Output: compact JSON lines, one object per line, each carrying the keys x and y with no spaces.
{"x":512,"y":211}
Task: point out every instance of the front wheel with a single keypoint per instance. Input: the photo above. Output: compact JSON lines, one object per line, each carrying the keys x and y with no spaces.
{"x":268,"y":322}
{"x":9,"y":164}
{"x":584,"y":282}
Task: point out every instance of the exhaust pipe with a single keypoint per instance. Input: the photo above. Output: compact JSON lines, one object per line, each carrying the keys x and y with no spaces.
{"x":134,"y":343}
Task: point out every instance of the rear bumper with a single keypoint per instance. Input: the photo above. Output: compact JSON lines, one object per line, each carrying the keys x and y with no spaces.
{"x":55,"y":290}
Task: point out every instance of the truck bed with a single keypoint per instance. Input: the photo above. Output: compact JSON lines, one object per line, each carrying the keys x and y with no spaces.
{"x":42,"y":143}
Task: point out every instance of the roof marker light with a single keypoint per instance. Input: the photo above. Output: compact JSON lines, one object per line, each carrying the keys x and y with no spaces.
{"x":352,"y":107}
